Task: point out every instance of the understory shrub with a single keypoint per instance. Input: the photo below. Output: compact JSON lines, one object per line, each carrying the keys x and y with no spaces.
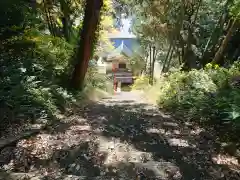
{"x":211,"y":95}
{"x":141,"y":83}
{"x":31,"y":72}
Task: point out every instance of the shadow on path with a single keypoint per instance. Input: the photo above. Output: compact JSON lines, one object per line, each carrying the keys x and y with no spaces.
{"x":123,"y":137}
{"x":168,"y":140}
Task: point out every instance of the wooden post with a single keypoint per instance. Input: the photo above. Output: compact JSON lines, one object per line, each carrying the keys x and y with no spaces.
{"x":114,"y":78}
{"x":119,"y":83}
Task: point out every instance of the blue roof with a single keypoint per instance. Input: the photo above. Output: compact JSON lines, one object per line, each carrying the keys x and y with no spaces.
{"x":124,"y":43}
{"x":122,"y":49}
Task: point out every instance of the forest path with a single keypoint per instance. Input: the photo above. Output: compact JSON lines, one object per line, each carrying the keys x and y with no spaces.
{"x":121,"y":137}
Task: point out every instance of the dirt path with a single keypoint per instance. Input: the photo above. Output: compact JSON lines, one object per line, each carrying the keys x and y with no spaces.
{"x":120,"y":138}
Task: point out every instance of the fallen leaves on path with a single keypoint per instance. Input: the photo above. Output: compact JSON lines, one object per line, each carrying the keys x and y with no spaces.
{"x":122,"y":138}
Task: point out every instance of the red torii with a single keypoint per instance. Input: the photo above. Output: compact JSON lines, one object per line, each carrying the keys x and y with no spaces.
{"x":114,"y":77}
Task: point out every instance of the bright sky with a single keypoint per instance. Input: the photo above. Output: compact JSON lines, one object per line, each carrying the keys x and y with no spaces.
{"x":126,"y":25}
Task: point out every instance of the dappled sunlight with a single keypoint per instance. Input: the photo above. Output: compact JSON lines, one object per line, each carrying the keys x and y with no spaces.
{"x":119,"y":90}
{"x":196,"y":131}
{"x":44,"y":145}
{"x":162,"y":131}
{"x":178,"y":142}
{"x":223,"y":159}
{"x":171,"y":124}
{"x":121,"y":152}
{"x":122,"y":140}
{"x":177,"y":132}
{"x":155,"y":130}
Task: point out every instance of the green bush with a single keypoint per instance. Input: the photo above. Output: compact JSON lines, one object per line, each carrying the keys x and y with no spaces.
{"x":211,"y":95}
{"x":97,"y":80}
{"x":141,"y":83}
{"x":32,"y":67}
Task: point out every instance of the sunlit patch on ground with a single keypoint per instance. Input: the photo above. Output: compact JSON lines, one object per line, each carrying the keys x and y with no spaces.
{"x":46,"y":144}
{"x":230,"y":161}
{"x":121,"y":152}
{"x":155,"y":130}
{"x":196,"y":131}
{"x":122,"y":138}
{"x":171,"y":124}
{"x":178,"y":142}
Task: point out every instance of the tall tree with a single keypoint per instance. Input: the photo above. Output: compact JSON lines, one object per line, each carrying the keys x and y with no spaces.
{"x":235,"y":12}
{"x":224,"y":43}
{"x":66,"y":19}
{"x":86,"y":42}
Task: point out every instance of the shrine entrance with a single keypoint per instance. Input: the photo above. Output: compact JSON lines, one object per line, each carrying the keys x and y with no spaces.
{"x":118,"y":67}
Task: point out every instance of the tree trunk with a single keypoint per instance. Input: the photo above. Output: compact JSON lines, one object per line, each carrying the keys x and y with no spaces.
{"x":197,"y":11}
{"x":170,"y":58}
{"x":65,"y":20}
{"x":48,"y":8}
{"x":216,"y":33}
{"x":176,"y":34}
{"x":212,"y":38}
{"x":224,"y":44}
{"x":48,"y":18}
{"x":86,"y":42}
{"x":66,"y":28}
{"x":236,"y":53}
{"x":189,"y":56}
{"x":144,"y":71}
{"x":150,"y":63}
{"x":166,"y":59}
{"x":153,"y":63}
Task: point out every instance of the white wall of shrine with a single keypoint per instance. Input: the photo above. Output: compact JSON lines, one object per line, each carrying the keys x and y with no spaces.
{"x":102,"y":66}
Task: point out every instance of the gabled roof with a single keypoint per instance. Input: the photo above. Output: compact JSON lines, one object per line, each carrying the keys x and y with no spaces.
{"x":121,"y":50}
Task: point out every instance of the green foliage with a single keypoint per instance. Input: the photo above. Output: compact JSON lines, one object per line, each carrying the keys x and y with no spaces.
{"x":16,"y":16}
{"x":96,"y":80}
{"x":35,"y":65}
{"x":32,"y":67}
{"x":141,"y":83}
{"x":235,"y":8}
{"x":211,"y":95}
{"x":195,"y":29}
{"x":137,"y":64}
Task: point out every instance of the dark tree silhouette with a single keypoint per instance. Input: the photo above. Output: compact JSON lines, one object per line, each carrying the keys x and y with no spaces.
{"x":86,"y":42}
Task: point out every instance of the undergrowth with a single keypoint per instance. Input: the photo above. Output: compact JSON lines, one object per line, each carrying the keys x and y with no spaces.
{"x":141,"y":83}
{"x":210,"y":96}
{"x":32,"y":69}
